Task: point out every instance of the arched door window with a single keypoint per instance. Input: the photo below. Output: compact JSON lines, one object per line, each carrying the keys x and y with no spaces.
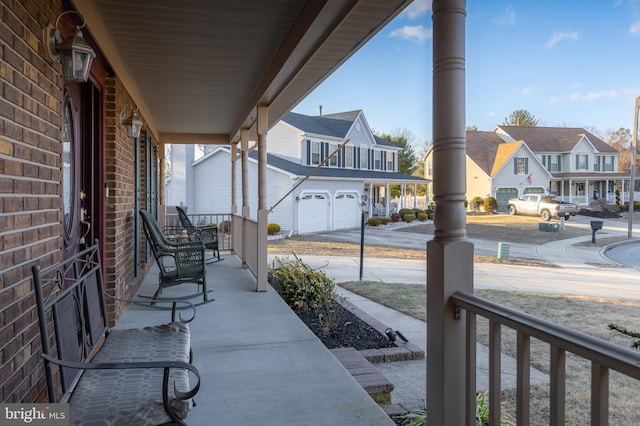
{"x":68,"y":168}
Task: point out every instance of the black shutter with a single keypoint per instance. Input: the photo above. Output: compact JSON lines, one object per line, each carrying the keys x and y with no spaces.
{"x":384,"y":160}
{"x":308,"y":152}
{"x":356,"y":160}
{"x":577,"y":161}
{"x":515,"y":166}
{"x":526,"y":166}
{"x":393,"y":157}
{"x":370,"y":159}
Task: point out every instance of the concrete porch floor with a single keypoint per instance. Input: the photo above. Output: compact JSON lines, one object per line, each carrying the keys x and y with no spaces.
{"x":259,"y":364}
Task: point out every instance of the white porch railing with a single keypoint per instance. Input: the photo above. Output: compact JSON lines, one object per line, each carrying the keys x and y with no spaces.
{"x":603,"y":356}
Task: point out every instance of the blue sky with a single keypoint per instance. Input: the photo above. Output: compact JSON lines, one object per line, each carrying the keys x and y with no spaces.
{"x":569,"y":63}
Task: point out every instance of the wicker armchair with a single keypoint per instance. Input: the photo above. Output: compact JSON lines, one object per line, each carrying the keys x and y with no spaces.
{"x":208,"y":234}
{"x":179,"y":262}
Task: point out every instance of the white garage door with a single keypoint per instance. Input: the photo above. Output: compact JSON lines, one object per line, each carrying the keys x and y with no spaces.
{"x":346,"y":210}
{"x":313,"y":213}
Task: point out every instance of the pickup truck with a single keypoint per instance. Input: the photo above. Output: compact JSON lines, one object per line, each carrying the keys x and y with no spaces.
{"x":543,"y":205}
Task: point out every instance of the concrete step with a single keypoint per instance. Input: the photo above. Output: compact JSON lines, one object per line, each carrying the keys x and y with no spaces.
{"x":371,"y":380}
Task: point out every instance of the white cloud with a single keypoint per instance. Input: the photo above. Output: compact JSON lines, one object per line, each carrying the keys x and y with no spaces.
{"x":418,"y":8}
{"x":491,"y":114}
{"x":417,"y":32}
{"x":553,"y":100}
{"x":527,"y":90}
{"x":635,"y":28}
{"x":594,"y":96}
{"x":557,"y":37}
{"x":507,"y":18}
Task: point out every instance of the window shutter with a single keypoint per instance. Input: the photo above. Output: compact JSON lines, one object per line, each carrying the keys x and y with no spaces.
{"x":340,"y":155}
{"x":308,"y":152}
{"x":325,"y":151}
{"x":356,"y":160}
{"x":384,"y":160}
{"x":559,"y":163}
{"x":587,"y":162}
{"x":395,"y":167}
{"x":577,"y":161}
{"x":370,"y":159}
{"x":526,"y":166}
{"x":515,"y":166}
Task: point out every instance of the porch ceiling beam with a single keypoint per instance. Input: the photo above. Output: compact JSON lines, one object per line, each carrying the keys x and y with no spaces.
{"x":195,"y":138}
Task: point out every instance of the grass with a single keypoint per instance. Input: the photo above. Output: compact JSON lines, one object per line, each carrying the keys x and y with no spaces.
{"x":590,"y":315}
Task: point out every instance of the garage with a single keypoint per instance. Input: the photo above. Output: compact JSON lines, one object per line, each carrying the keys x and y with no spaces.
{"x":503,"y":195}
{"x":313,"y":213}
{"x":346,"y":210}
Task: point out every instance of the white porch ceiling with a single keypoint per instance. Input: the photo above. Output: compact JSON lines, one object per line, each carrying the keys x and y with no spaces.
{"x":197,"y":69}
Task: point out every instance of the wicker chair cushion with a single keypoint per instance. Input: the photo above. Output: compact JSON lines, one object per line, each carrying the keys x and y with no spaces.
{"x":138,"y":393}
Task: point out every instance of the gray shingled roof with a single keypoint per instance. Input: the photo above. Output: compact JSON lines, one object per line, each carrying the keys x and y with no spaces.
{"x":554,"y":139}
{"x":332,"y":172}
{"x":334,"y":125}
{"x":482,"y":148}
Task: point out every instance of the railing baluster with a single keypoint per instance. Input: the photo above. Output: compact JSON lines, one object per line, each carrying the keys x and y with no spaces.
{"x":523,"y":379}
{"x":599,"y":395}
{"x":470,"y":405}
{"x":495,"y":370}
{"x":558,"y":386}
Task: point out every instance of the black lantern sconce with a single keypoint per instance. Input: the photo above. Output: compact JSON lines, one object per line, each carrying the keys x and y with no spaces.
{"x":75,"y":53}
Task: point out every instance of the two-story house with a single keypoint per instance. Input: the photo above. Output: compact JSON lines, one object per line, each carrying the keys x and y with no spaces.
{"x":511,"y":161}
{"x":305,"y":195}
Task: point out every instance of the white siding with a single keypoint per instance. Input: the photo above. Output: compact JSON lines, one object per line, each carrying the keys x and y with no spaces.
{"x":286,"y":141}
{"x":176,"y":189}
{"x":505,"y":178}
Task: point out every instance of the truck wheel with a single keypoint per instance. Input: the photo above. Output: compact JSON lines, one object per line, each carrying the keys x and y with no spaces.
{"x":545,"y":215}
{"x":512,"y":210}
{"x":566,"y":217}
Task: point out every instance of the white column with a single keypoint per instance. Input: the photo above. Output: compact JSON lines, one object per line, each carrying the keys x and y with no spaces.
{"x":387,"y":195}
{"x":263,"y":212}
{"x":234,"y":157}
{"x":450,"y":255}
{"x":244,"y":146}
{"x":402,"y":196}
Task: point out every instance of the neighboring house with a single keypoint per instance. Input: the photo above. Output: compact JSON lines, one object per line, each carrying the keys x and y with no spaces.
{"x":332,"y":198}
{"x":511,"y":161}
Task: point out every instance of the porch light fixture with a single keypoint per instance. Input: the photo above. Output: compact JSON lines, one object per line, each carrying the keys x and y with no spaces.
{"x":133,"y":124}
{"x":75,"y":53}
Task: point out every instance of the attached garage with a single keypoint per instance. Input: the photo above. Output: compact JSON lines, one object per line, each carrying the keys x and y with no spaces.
{"x":313,"y":212}
{"x":346,"y":210}
{"x":503,"y":195}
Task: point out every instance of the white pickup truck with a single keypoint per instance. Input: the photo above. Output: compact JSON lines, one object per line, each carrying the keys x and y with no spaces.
{"x":543,"y":205}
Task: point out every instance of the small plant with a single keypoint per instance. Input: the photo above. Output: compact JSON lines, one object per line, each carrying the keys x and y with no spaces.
{"x":374,"y":221}
{"x":395,"y":217}
{"x":273,"y":228}
{"x":490,"y":205}
{"x":409,"y":217}
{"x":422,"y":216}
{"x":429,"y":213}
{"x":404,"y":212}
{"x":419,"y":417}
{"x":385,"y":220}
{"x":617,"y":197}
{"x":476,"y":204}
{"x":225,"y":227}
{"x":302,"y":287}
{"x":331,"y":315}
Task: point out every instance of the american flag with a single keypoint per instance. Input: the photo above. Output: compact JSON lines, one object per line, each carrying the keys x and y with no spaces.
{"x":529,"y":179}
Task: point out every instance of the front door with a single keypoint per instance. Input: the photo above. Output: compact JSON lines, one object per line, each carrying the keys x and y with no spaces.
{"x":82,"y":177}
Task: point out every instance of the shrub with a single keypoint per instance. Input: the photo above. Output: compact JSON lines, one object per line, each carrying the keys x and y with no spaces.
{"x":409,"y":217}
{"x":429,"y":213}
{"x":225,"y":227}
{"x":395,"y":217}
{"x":417,"y":212}
{"x":374,"y":221}
{"x":403,"y":212}
{"x":273,"y":228}
{"x":385,"y":220}
{"x":476,"y":203}
{"x":617,"y":196}
{"x":490,"y":205}
{"x":302,"y":287}
{"x":422,"y":216}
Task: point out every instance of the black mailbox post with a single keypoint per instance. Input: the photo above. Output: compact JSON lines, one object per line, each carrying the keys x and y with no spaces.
{"x":596,"y":225}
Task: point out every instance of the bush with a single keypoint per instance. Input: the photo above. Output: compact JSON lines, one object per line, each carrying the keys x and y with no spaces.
{"x":417,"y":211}
{"x":374,"y":221}
{"x":403,"y":212}
{"x":409,"y":217}
{"x":476,"y":203}
{"x":490,"y":205}
{"x":395,"y":217}
{"x":385,"y":220}
{"x":209,"y":224}
{"x":273,"y":228}
{"x":422,"y":216}
{"x":429,"y":213}
{"x":617,"y":196}
{"x":302,"y":287}
{"x":225,"y":227}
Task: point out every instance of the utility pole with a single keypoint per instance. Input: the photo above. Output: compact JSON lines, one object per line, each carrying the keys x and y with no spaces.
{"x":632,"y":183}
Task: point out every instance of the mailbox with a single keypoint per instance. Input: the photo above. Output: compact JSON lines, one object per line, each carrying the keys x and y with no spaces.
{"x":596,"y":225}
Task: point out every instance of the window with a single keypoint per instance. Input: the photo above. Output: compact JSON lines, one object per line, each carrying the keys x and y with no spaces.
{"x":390,"y":161}
{"x":556,"y":166}
{"x":582,"y":162}
{"x":521,"y":166}
{"x":348,"y":156}
{"x":608,"y":163}
{"x":315,"y":153}
{"x":377,"y":160}
{"x":333,"y":161}
{"x":364,"y":158}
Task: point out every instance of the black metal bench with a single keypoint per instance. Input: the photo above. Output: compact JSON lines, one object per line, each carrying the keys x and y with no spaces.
{"x":179,"y":262}
{"x":207,"y":233}
{"x":109,"y":376}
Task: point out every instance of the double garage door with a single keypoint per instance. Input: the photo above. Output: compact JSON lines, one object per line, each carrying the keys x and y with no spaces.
{"x":315,"y":213}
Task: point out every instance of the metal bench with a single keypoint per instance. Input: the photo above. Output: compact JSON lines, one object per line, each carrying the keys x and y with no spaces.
{"x":179,"y":262}
{"x":208,"y":233}
{"x":109,"y":376}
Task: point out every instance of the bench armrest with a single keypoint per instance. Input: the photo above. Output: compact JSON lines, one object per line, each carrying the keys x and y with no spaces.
{"x":166,"y":365}
{"x":154,"y":303}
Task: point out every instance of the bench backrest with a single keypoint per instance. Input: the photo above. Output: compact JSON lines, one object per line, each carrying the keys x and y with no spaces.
{"x":71,"y":314}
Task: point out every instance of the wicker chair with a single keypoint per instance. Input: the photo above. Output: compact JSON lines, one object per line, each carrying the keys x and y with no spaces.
{"x":208,"y":234}
{"x":179,"y":263}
